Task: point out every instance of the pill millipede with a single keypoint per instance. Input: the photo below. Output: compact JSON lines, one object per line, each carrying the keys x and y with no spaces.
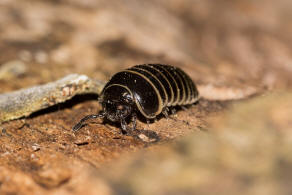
{"x":149,"y":89}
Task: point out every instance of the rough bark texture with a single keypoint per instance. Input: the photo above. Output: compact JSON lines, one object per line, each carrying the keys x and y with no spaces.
{"x":24,"y":102}
{"x":235,"y":140}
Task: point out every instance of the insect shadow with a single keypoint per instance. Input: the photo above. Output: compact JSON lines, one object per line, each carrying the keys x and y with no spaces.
{"x":65,"y":105}
{"x":137,"y":133}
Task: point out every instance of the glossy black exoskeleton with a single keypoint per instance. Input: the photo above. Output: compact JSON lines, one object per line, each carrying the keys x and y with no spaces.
{"x":149,"y":89}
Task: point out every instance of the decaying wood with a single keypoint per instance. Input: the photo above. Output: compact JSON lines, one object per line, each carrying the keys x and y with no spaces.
{"x":233,"y":50}
{"x":26,"y":101}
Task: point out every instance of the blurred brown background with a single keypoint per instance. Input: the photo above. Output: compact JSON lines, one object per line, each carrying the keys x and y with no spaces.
{"x":239,"y":53}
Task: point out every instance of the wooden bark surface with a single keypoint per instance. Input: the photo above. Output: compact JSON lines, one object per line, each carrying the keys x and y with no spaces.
{"x":235,"y":139}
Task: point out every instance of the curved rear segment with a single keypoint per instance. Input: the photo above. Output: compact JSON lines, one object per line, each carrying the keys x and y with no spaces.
{"x":172,"y":83}
{"x":180,"y":83}
{"x":184,"y":88}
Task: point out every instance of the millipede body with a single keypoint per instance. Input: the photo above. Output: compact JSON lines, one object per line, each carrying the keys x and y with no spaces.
{"x":149,"y":89}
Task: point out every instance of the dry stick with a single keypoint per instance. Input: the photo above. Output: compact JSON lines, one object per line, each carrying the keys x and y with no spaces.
{"x":23,"y":102}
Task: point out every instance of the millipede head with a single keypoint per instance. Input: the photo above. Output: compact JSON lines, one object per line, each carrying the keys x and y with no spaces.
{"x":117,"y":102}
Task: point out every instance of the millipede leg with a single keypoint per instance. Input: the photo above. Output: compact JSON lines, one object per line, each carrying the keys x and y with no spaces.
{"x":173,"y":111}
{"x":123,"y":125}
{"x":134,"y":121}
{"x":80,"y":123}
{"x":184,"y":108}
{"x":148,"y":123}
{"x":165,"y":112}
